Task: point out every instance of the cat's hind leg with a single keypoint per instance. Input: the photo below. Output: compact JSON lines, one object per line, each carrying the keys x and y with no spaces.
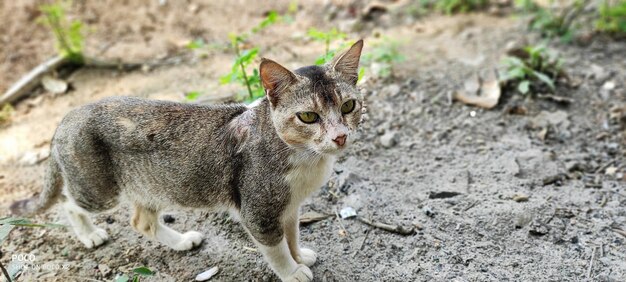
{"x":90,"y":235}
{"x":146,"y":221}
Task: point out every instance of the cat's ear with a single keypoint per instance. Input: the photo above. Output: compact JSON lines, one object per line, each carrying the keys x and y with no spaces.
{"x":347,"y":64}
{"x":275,"y":79}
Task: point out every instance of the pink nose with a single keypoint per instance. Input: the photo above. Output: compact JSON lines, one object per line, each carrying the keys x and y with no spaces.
{"x":340,"y":140}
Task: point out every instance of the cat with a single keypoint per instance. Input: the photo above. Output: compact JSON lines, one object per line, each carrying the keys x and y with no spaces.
{"x":260,"y":162}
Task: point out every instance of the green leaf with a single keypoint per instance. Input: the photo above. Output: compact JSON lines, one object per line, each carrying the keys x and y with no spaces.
{"x":144,"y":271}
{"x":122,"y":278}
{"x":515,"y":73}
{"x":361,"y":74}
{"x":523,"y":86}
{"x":271,"y":18}
{"x":545,"y":79}
{"x":513,"y":62}
{"x":192,"y":95}
{"x":4,"y":232}
{"x":196,"y":44}
{"x":247,"y":56}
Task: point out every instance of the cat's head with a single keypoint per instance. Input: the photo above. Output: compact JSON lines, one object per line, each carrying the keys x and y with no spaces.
{"x":315,"y":108}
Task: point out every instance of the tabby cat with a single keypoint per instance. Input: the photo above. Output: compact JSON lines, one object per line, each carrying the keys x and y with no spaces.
{"x":258,"y":161}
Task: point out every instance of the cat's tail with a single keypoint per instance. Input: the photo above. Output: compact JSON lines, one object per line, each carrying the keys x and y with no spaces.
{"x":48,"y":197}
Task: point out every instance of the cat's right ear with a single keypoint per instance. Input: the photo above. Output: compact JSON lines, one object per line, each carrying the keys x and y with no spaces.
{"x":275,"y":79}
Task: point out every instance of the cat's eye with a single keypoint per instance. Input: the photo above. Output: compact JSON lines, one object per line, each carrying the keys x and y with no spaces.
{"x":347,"y":107}
{"x":308,"y":117}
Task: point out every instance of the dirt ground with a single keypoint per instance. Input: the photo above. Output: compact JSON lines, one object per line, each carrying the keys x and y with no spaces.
{"x":452,"y":173}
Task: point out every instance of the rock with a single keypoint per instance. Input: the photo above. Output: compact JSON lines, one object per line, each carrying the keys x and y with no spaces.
{"x":574,"y":166}
{"x":104,"y":269}
{"x":443,"y":195}
{"x":428,"y":211}
{"x":347,"y":212}
{"x":598,"y":73}
{"x":520,"y":197}
{"x":34,"y":157}
{"x":537,"y":228}
{"x":204,"y":276}
{"x":522,"y":220}
{"x":54,"y":85}
{"x":543,"y":119}
{"x":609,"y":85}
{"x":610,"y":170}
{"x":388,"y":140}
{"x":391,"y":90}
{"x":168,"y":218}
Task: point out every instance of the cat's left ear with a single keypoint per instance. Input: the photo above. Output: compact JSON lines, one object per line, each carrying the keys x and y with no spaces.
{"x":347,"y":64}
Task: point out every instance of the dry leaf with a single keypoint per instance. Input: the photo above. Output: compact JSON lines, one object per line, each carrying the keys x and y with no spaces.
{"x":310,"y":217}
{"x":54,"y":85}
{"x":489,"y":94}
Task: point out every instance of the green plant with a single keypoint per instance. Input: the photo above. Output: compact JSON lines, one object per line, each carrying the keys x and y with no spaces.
{"x":137,"y":274}
{"x":612,"y":17}
{"x":531,"y":69}
{"x":5,"y":113}
{"x":556,"y":22}
{"x":460,"y":6}
{"x":385,"y":54}
{"x":526,"y":5}
{"x":192,"y":96}
{"x":6,"y":226}
{"x":418,"y":8}
{"x":69,"y":35}
{"x":244,"y":57}
{"x":326,"y":37}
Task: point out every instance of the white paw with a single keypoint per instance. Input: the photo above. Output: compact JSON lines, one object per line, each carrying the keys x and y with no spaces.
{"x":301,"y":274}
{"x":188,"y":241}
{"x":308,"y":257}
{"x":94,"y":239}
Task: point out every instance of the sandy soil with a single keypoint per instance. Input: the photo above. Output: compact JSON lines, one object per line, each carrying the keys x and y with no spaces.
{"x":568,"y":229}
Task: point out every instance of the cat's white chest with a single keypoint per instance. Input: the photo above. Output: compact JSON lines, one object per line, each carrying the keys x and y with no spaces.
{"x":306,"y":177}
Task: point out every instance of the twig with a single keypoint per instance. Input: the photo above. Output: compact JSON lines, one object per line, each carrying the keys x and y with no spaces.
{"x":341,"y":224}
{"x":619,"y":231}
{"x":605,"y":199}
{"x":593,"y":256}
{"x":391,"y":228}
{"x":84,"y":278}
{"x":470,"y":205}
{"x":250,"y":249}
{"x":367,"y":232}
{"x":31,"y":79}
{"x":599,"y":170}
{"x":5,"y":272}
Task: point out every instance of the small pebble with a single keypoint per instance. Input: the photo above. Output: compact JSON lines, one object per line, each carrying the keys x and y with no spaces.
{"x":204,"y":276}
{"x":109,"y":220}
{"x":168,"y":218}
{"x":388,"y":140}
{"x":428,"y":211}
{"x":520,"y":198}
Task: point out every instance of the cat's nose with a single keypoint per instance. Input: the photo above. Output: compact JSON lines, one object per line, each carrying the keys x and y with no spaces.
{"x":340,"y":140}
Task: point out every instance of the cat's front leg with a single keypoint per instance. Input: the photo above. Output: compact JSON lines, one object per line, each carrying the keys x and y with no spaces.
{"x":270,"y":239}
{"x":305,"y":256}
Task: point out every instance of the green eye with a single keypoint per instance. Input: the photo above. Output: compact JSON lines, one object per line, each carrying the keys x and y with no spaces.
{"x":347,"y":107}
{"x":308,"y":117}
